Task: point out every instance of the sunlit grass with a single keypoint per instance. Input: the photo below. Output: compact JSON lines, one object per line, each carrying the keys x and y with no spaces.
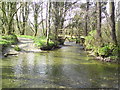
{"x":26,"y":36}
{"x":8,"y":39}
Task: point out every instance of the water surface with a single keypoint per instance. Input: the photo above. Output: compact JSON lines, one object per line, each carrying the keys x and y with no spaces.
{"x":67,"y":67}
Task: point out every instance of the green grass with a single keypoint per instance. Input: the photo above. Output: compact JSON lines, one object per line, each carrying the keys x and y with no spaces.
{"x":17,"y":48}
{"x":26,"y":36}
{"x":4,"y":42}
{"x":42,"y":42}
{"x":8,"y":40}
{"x":101,"y":48}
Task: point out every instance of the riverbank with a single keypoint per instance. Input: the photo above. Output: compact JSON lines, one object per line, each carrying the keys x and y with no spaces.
{"x":26,"y":44}
{"x":103,"y":59}
{"x":6,"y":43}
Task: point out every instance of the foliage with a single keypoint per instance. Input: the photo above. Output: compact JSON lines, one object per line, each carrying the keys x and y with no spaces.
{"x":17,"y":48}
{"x":4,"y":42}
{"x":41,"y":42}
{"x":108,"y":49}
{"x":90,"y":40}
{"x":8,"y":39}
{"x":73,"y":39}
{"x":25,"y":36}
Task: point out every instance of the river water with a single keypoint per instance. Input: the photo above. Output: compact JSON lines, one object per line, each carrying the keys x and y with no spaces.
{"x":67,"y":67}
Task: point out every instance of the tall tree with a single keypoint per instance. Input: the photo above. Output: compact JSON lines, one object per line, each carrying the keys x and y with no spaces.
{"x":36,"y":15}
{"x":99,"y":19}
{"x":3,"y":18}
{"x":43,"y":29}
{"x":86,"y":18}
{"x":18,"y":19}
{"x":48,"y":30}
{"x":25,"y":13}
{"x":112,"y":18}
{"x":46,"y":19}
{"x":9,"y":10}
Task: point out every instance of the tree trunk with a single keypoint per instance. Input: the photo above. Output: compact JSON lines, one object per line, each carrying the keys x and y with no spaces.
{"x":24,"y":17}
{"x":99,"y":19}
{"x":18,"y":26}
{"x":112,"y":17}
{"x":36,"y":19}
{"x":86,"y":19}
{"x":46,"y":19}
{"x":42,"y":20}
{"x":48,"y":32}
{"x":118,"y":31}
{"x":4,"y":18}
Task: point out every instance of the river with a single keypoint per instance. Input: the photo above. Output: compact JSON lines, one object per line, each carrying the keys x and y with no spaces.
{"x":67,"y":67}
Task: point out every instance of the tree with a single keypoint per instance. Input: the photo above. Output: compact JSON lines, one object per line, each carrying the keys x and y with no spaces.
{"x":59,"y":12}
{"x":36,"y":11}
{"x":42,"y":20}
{"x":48,"y":30}
{"x":98,"y":19}
{"x":25,"y":13}
{"x":112,"y":18}
{"x":9,"y":10}
{"x":18,"y":21}
{"x":86,"y":18}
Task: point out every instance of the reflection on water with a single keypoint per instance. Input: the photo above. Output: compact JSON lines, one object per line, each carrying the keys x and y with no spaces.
{"x":66,"y":67}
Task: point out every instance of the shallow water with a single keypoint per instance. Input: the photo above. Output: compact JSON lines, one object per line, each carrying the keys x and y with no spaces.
{"x":67,"y":67}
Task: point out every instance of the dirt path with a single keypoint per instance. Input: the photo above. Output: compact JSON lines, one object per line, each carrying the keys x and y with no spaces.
{"x":27,"y":45}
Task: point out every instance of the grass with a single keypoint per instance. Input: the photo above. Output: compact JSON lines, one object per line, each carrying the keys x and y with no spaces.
{"x":17,"y":48}
{"x":41,"y":42}
{"x":26,"y":36}
{"x":101,"y":48}
{"x":4,"y":42}
{"x":8,"y":40}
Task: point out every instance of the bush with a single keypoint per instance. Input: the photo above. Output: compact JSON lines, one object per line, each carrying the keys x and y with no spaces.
{"x":107,"y":50}
{"x":100,"y":47}
{"x":89,"y":42}
{"x":104,"y":51}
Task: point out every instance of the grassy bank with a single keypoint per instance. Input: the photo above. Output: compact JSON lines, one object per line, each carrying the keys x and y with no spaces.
{"x":41,"y":42}
{"x":101,"y":48}
{"x":7,"y":40}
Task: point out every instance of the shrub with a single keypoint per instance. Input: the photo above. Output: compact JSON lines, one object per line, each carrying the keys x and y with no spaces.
{"x":89,"y":42}
{"x":104,"y":51}
{"x":108,"y":50}
{"x":100,"y":48}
